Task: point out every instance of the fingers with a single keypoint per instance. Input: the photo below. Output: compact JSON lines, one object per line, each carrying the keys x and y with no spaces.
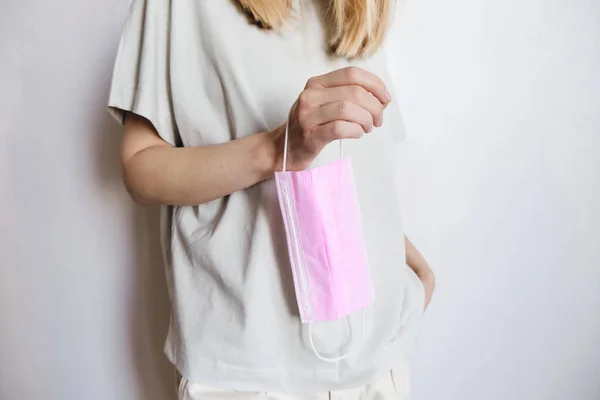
{"x":340,"y":105}
{"x":356,"y":94}
{"x":338,"y":130}
{"x":344,"y":111}
{"x":352,"y":76}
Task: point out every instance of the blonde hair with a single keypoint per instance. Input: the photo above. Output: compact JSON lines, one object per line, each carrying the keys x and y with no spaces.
{"x":357,"y":27}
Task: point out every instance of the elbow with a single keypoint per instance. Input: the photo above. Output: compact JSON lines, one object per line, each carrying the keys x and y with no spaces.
{"x":140,"y":200}
{"x":139,"y":193}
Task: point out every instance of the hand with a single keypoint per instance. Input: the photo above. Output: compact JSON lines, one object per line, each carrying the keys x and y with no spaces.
{"x":342,"y":104}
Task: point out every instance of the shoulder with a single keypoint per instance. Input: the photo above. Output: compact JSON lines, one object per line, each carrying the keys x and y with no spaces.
{"x":183,"y":14}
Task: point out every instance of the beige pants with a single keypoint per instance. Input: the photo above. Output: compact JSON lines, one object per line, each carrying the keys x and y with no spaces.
{"x":394,"y":385}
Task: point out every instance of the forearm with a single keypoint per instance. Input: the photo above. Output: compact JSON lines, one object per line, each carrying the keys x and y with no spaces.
{"x":415,"y":260}
{"x":417,"y":263}
{"x":196,"y":175}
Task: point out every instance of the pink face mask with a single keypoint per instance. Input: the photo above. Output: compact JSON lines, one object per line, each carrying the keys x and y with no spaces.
{"x":325,"y":242}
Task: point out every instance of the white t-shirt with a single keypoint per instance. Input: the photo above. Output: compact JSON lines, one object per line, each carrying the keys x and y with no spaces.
{"x":203,"y":75}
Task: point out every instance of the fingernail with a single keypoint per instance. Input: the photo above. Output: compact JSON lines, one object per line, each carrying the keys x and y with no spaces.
{"x":388,"y":96}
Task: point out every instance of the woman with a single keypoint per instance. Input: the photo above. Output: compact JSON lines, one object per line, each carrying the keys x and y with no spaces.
{"x":204,"y":89}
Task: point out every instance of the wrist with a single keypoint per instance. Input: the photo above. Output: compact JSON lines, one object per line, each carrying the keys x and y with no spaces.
{"x":268,"y":157}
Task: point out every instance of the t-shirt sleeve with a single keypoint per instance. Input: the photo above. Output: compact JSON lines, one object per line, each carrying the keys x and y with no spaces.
{"x":140,"y":82}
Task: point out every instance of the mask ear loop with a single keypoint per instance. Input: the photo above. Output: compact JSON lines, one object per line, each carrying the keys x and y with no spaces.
{"x":340,"y":358}
{"x":287,"y":132}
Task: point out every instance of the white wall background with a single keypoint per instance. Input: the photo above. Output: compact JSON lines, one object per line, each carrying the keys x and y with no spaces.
{"x":502,"y":192}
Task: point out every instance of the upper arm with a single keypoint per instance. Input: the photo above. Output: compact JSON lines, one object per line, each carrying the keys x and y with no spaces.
{"x":139,"y":134}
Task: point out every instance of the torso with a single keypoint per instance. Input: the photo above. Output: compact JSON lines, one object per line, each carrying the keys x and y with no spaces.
{"x":235,"y":320}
